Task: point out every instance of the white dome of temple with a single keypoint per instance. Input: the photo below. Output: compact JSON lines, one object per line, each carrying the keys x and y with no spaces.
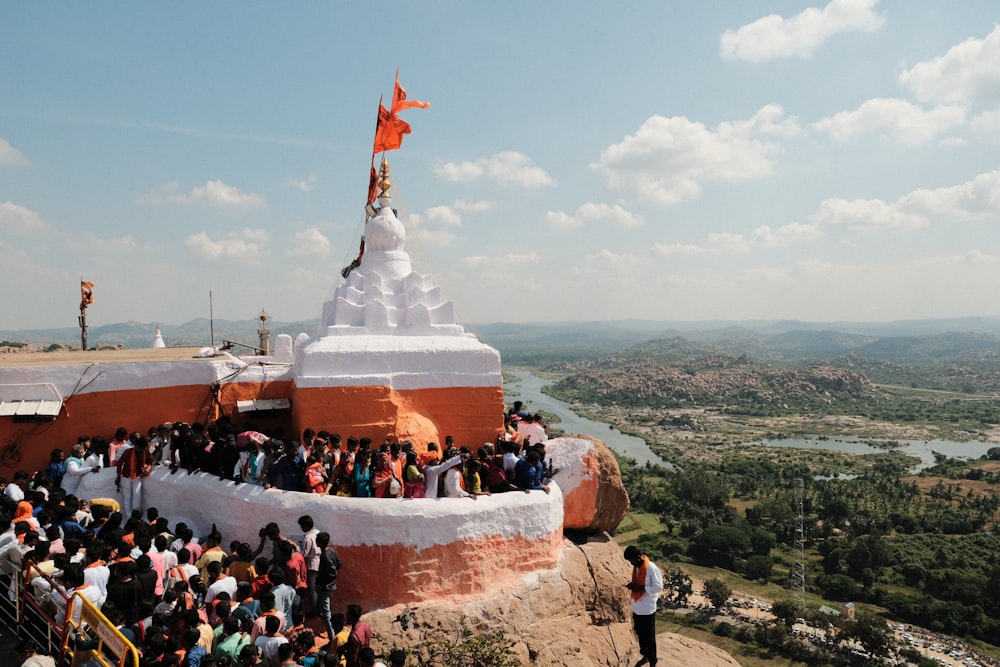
{"x":383,"y":295}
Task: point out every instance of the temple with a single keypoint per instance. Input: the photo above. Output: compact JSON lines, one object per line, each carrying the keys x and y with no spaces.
{"x":388,"y":361}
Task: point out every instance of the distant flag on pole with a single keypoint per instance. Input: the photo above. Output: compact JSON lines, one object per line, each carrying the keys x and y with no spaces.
{"x":86,"y":293}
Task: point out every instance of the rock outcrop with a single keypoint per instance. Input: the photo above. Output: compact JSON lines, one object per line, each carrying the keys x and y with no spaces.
{"x":575,"y":616}
{"x":588,"y":474}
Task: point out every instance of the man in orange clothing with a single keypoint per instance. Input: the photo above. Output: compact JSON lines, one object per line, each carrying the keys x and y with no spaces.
{"x":645,"y":587}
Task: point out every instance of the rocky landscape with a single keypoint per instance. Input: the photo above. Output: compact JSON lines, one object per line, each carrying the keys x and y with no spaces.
{"x":576,"y":616}
{"x":714,"y":380}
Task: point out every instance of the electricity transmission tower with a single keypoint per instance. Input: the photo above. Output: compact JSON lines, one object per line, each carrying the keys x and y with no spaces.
{"x":799,"y":568}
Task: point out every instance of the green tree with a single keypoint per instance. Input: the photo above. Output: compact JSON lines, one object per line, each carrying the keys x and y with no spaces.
{"x":717,"y":592}
{"x":720,"y":545}
{"x":873,"y":634}
{"x":678,"y":586}
{"x":786,"y":611}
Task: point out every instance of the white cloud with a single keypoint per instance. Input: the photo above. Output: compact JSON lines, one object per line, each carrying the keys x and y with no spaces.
{"x":769,"y":119}
{"x":667,"y":159}
{"x":679,"y":249}
{"x":510,"y":259}
{"x":867,"y":215}
{"x":768,"y":274}
{"x":440,"y":216}
{"x":968,"y":73}
{"x":434,"y":226}
{"x":509,"y":167}
{"x":304,"y":184}
{"x":15,"y":218}
{"x":719,"y":243}
{"x":213,"y":193}
{"x":472,"y":206}
{"x":114,"y":246}
{"x":901,"y":120}
{"x":563,"y":220}
{"x":975,"y":199}
{"x":309,"y":243}
{"x":987,"y":120}
{"x":461,"y":172}
{"x":728,"y":241}
{"x":785,"y":234}
{"x":801,"y":35}
{"x":594,"y":212}
{"x":10,"y":155}
{"x":242,"y":246}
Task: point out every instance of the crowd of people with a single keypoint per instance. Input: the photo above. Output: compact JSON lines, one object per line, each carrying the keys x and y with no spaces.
{"x":195,"y":601}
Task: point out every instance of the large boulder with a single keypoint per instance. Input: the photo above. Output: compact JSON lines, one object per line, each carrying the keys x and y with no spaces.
{"x":591,"y":481}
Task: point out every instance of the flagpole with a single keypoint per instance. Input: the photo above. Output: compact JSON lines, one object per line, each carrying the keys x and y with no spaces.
{"x":84,"y":302}
{"x":211,"y":320}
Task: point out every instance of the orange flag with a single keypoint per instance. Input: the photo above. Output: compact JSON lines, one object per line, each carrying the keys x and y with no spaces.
{"x":399,"y":101}
{"x":372,"y":184}
{"x":86,"y":293}
{"x":389,"y":131}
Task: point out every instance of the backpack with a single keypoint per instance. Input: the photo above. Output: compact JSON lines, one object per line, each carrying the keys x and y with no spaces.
{"x":247,"y":613}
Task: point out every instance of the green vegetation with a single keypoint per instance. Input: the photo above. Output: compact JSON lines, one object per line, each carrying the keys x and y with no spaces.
{"x":467,"y":649}
{"x":877,"y":538}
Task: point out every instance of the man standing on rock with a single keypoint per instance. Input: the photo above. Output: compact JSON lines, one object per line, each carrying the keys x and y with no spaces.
{"x":645,"y":587}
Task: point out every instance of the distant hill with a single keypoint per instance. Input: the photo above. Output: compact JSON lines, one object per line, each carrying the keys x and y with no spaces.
{"x":135,"y":335}
{"x":972,"y":340}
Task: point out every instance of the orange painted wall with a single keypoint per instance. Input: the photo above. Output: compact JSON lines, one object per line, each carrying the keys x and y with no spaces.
{"x":383,"y":576}
{"x":101,"y":413}
{"x":473,"y":415}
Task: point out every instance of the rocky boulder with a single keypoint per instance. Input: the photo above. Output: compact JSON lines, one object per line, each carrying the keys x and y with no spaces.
{"x":591,"y":482}
{"x":575,"y":616}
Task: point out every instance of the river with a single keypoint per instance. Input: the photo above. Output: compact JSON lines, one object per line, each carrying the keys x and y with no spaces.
{"x":921,"y":449}
{"x":528,"y":388}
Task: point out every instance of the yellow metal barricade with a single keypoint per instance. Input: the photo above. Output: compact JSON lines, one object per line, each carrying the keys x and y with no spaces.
{"x":91,"y":636}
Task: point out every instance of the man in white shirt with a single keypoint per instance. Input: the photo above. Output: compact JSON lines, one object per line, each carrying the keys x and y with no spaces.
{"x":531,"y":430}
{"x":218,"y":582}
{"x":97,"y":574}
{"x":76,"y":469}
{"x":15,"y":490}
{"x":73,"y":582}
{"x":434,"y":469}
{"x":644,"y":587}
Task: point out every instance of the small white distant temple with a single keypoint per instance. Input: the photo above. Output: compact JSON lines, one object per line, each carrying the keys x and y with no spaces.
{"x":158,"y":340}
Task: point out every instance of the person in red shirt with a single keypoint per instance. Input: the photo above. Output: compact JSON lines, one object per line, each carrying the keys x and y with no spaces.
{"x":360,"y":637}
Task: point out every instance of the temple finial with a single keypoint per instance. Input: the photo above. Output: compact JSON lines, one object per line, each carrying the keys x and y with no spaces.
{"x":384,"y":182}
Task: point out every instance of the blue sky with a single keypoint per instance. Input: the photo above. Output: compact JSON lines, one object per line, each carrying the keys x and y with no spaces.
{"x":652,"y":160}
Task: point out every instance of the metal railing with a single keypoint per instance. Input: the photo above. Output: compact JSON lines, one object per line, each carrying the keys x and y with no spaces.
{"x":30,"y":600}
